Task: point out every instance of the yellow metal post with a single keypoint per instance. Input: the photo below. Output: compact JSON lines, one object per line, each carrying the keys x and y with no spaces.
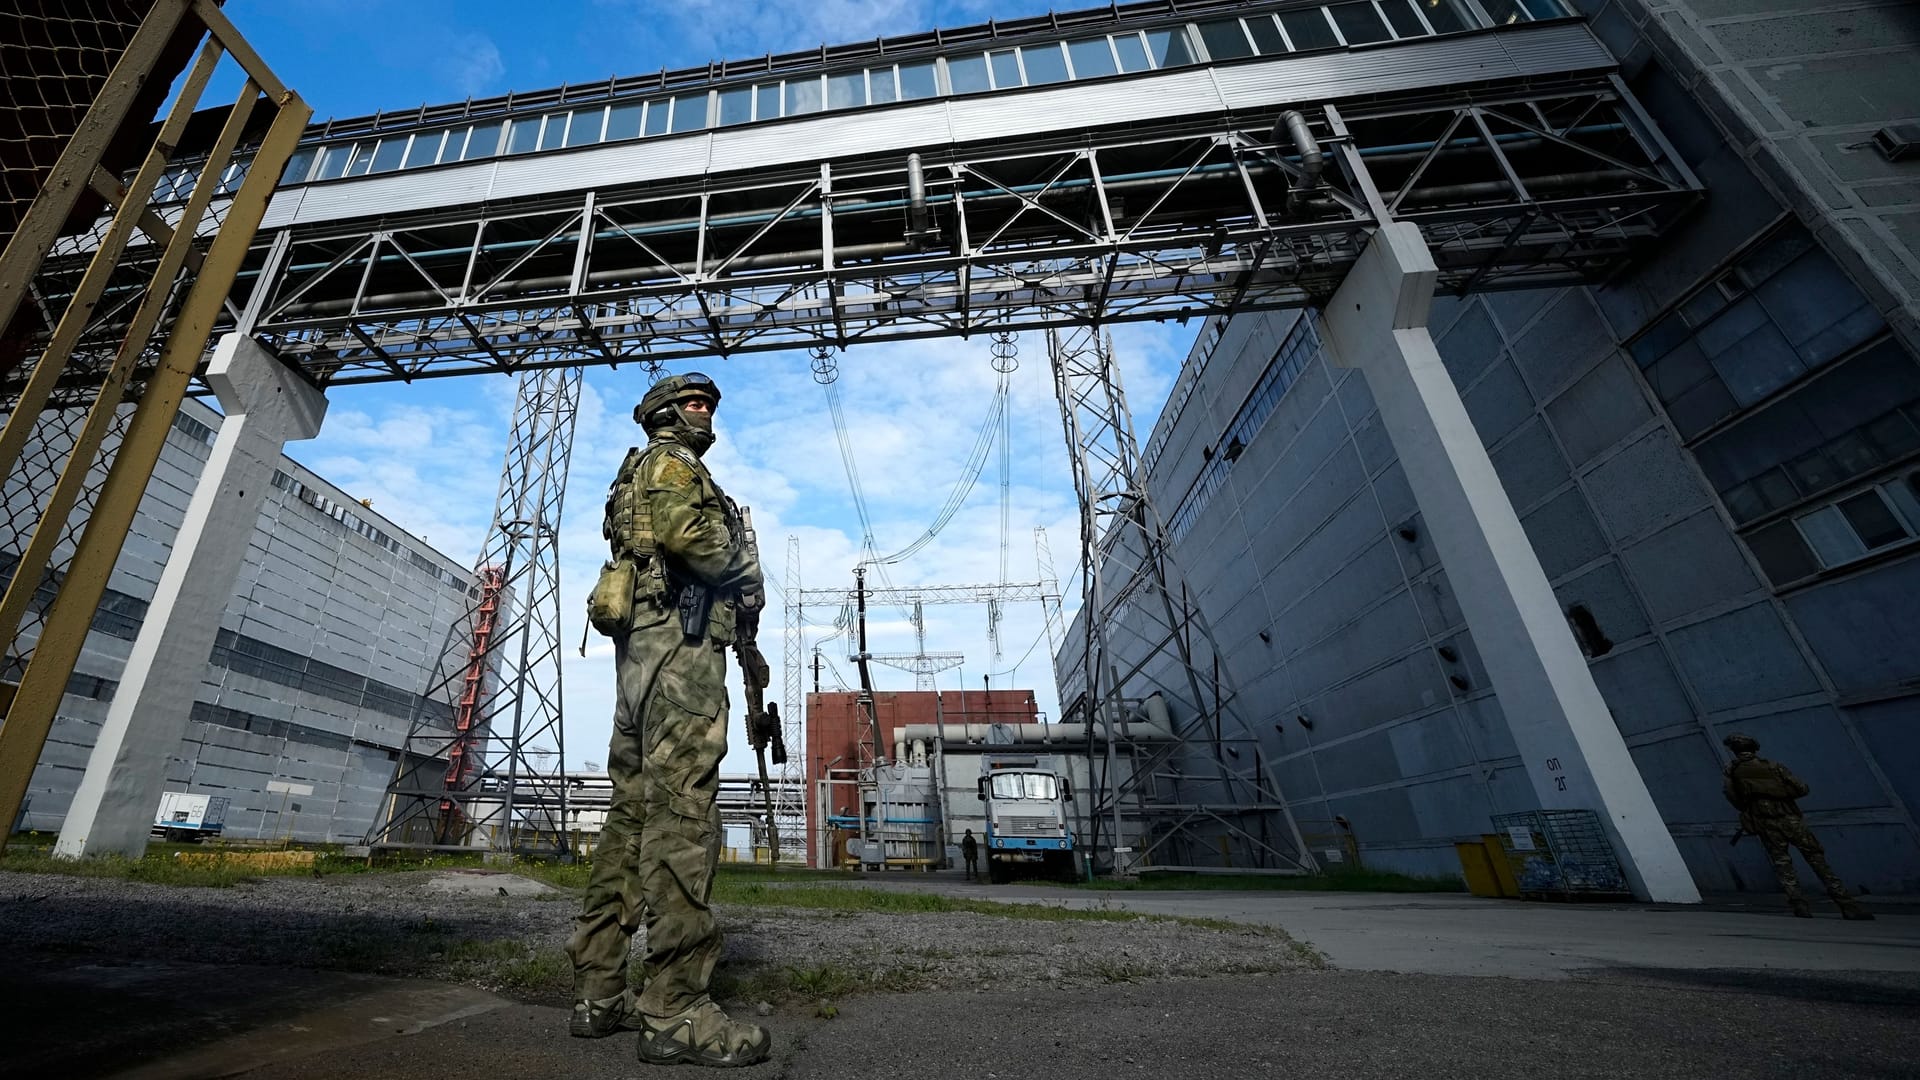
{"x":71,"y":173}
{"x":41,"y":688}
{"x":73,"y":479}
{"x":106,"y":259}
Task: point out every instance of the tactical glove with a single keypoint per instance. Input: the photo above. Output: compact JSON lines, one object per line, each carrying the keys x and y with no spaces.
{"x":753,"y":663}
{"x":753,"y":599}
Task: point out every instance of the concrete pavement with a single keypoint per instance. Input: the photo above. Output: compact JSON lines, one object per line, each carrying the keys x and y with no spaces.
{"x":1426,"y":985}
{"x":1457,"y":934}
{"x":1344,"y":1025}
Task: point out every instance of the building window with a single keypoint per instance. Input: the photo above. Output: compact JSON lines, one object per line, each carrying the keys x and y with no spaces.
{"x":1093,"y":57}
{"x":1844,"y":531}
{"x":484,"y":141}
{"x":689,"y":112}
{"x":803,"y":96}
{"x":1225,"y":39}
{"x":736,"y":106}
{"x":425,"y":149}
{"x":1044,"y":64}
{"x":919,"y":81}
{"x":1288,"y":362}
{"x":1352,"y":22}
{"x":847,"y":91}
{"x":1861,"y":416}
{"x":1309,"y":29}
{"x":1169,"y":48}
{"x":524,"y":135}
{"x":1006,"y":69}
{"x":1132,"y":53}
{"x":1360,"y":24}
{"x":586,"y":126}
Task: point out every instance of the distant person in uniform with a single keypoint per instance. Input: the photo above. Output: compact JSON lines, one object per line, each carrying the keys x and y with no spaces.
{"x":970,"y":850}
{"x":1764,"y":793}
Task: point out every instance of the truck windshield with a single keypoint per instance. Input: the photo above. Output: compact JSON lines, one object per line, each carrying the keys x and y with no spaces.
{"x":1025,"y":786}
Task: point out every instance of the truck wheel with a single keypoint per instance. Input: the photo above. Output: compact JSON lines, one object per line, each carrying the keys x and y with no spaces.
{"x":996,"y":872}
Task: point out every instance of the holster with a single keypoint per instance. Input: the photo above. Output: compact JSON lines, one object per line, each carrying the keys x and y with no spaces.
{"x":610,"y":604}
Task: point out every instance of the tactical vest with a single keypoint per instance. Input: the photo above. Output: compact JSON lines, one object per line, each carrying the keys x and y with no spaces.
{"x":628,"y":525}
{"x":628,"y":528}
{"x":1762,"y":789}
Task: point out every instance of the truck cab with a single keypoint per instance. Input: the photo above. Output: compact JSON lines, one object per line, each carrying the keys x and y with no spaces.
{"x":1025,"y":803}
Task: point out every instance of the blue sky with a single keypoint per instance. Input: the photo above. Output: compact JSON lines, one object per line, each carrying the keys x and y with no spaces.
{"x":429,"y":455}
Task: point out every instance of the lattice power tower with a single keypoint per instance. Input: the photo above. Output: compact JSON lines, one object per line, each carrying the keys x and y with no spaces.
{"x":489,"y":772}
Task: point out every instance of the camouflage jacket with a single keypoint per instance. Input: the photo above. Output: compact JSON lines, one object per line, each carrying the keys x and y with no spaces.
{"x":1762,"y":789}
{"x":684,"y":529}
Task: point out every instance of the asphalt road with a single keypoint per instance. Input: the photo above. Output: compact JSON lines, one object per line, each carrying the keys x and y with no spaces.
{"x":1736,"y":990}
{"x":1350,"y":1025}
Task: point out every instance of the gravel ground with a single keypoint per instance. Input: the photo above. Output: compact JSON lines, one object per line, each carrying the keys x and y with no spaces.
{"x":413,"y":924}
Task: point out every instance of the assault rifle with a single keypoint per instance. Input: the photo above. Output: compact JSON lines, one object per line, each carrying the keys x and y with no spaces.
{"x":763,"y":723}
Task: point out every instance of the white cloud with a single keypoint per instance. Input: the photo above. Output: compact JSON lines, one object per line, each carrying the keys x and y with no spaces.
{"x":429,"y":455}
{"x":469,"y":63}
{"x":730,"y":29}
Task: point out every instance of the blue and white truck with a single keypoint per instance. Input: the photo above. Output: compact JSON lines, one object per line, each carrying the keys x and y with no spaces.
{"x":1028,"y":829}
{"x":184,"y":816}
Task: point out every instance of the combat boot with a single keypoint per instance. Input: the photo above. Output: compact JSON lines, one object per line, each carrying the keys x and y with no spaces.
{"x":598,"y":1018}
{"x":703,"y":1035}
{"x":1853,"y":912}
{"x":1801,"y":909}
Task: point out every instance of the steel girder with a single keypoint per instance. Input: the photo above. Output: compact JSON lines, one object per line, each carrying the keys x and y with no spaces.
{"x":1514,"y":187}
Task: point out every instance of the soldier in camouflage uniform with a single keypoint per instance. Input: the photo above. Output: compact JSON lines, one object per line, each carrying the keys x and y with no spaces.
{"x":661,"y":842}
{"x":1764,"y":793}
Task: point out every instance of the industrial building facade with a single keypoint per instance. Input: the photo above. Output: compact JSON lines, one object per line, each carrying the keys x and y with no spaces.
{"x":836,"y":758}
{"x":1716,"y":457}
{"x":329,"y":640}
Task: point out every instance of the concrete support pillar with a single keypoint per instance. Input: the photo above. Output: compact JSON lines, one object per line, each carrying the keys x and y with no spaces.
{"x":1573,"y":752}
{"x":266,"y":406}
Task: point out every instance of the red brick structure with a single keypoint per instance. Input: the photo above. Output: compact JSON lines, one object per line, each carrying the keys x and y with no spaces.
{"x":833,"y":732}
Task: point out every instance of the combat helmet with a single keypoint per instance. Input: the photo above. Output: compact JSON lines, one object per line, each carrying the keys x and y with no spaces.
{"x":663,"y":409}
{"x":673,"y":390}
{"x":1741,"y":744}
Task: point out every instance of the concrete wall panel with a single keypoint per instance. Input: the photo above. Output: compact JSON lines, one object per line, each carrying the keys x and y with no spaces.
{"x":1742,"y":658}
{"x":1862,"y":628}
{"x":1645,"y":486}
{"x":1688,"y":566}
{"x":1642,"y":691}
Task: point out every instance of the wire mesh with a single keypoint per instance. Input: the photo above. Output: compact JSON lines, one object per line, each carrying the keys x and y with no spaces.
{"x":55,"y":56}
{"x":1561,"y":854}
{"x":26,"y":492}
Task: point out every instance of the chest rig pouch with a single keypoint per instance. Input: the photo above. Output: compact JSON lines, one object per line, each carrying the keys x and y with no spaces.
{"x":634,"y":575}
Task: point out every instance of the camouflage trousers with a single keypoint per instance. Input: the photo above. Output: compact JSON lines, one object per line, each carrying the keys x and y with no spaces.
{"x":1780,"y":836}
{"x":661,"y":842}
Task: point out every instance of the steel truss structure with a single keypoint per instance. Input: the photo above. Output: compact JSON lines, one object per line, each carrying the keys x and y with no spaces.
{"x":1543,"y":184}
{"x":1201,"y":779}
{"x":1543,"y":181}
{"x":791,"y":803}
{"x":490,"y":773}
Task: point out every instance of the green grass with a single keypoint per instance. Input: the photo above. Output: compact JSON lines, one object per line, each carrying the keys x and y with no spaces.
{"x":159,"y":866}
{"x":1344,"y":881}
{"x":853,"y":899}
{"x":158,"y":869}
{"x":32,"y":853}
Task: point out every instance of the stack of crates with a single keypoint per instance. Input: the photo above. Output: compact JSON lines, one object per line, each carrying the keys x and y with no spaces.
{"x":1561,"y":855}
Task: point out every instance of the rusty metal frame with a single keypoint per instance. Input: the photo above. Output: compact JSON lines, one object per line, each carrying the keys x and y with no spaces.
{"x":32,"y":706}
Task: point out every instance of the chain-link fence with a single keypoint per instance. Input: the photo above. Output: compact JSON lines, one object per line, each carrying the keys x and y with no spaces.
{"x":25,"y":495}
{"x":55,"y":55}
